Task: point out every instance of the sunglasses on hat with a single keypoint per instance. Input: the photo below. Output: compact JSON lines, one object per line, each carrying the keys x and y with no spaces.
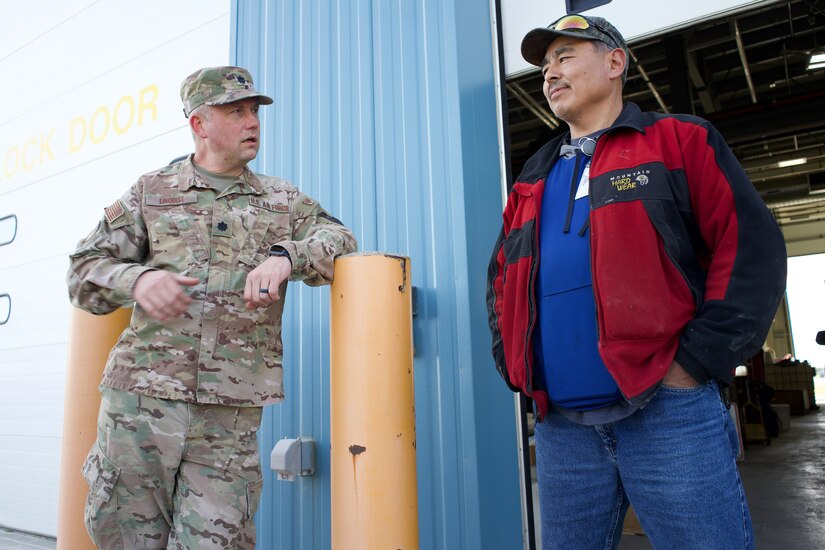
{"x":570,"y":22}
{"x":581,"y":23}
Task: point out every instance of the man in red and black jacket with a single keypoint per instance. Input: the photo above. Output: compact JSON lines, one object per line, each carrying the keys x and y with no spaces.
{"x":636,"y":268}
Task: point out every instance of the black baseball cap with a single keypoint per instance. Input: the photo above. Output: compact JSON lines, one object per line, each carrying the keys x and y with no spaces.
{"x":535,"y":43}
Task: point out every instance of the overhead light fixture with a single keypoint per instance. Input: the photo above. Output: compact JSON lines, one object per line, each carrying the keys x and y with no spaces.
{"x":817,"y":61}
{"x":792,"y":162}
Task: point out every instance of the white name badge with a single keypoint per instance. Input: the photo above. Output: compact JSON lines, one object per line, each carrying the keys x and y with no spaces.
{"x":584,"y":183}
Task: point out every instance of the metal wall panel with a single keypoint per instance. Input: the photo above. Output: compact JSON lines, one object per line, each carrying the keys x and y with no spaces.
{"x":385,"y":112}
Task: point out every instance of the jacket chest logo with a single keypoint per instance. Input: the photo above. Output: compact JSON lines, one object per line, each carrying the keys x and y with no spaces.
{"x":630,"y":180}
{"x":652,"y":181}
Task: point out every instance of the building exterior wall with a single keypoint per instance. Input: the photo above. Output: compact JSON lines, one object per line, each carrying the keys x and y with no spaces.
{"x":385,"y":112}
{"x":92,"y":102}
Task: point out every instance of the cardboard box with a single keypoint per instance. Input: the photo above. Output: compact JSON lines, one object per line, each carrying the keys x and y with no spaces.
{"x":783,"y":411}
{"x":797,"y":399}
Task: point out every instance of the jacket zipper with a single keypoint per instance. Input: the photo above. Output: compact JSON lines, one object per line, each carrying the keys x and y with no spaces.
{"x":593,"y":273}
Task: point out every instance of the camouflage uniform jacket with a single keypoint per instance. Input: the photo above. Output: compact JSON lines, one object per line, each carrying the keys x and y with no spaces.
{"x":218,"y":351}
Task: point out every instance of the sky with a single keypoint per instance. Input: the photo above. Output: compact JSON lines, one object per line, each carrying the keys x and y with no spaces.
{"x":806,"y":302}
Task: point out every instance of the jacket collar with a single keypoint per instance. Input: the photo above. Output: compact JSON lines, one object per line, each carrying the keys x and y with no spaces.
{"x":630,"y":117}
{"x":540,"y":163}
{"x":189,"y":177}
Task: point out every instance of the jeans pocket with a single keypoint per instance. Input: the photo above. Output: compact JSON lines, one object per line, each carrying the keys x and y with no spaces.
{"x":683,"y":391}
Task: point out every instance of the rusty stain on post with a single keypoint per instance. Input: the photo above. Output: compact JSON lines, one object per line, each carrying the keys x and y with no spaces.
{"x":403,"y":286}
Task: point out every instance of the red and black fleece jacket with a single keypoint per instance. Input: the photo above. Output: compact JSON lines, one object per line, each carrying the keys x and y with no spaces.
{"x":687,"y":261}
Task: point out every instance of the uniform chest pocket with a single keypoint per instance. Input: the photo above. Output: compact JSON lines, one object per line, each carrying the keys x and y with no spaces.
{"x":269,"y":228}
{"x":189,"y":232}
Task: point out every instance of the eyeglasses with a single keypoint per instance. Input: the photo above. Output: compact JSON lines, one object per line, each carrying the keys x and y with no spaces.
{"x":587,"y":145}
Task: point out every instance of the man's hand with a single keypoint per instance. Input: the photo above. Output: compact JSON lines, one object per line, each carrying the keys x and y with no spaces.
{"x":263,"y":282}
{"x":161,"y":295}
{"x":677,"y":377}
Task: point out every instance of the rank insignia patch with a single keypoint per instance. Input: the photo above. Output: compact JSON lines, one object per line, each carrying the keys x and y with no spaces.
{"x":221,"y":229}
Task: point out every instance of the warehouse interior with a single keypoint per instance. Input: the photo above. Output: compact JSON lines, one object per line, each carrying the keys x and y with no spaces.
{"x":759,"y":77}
{"x":751,"y":75}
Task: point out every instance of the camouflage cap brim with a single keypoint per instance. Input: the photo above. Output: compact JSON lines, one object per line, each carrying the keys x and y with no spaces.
{"x":218,"y":86}
{"x":229,"y":98}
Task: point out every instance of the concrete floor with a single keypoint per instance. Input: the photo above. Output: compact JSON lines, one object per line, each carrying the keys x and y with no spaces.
{"x":785,"y":485}
{"x":13,"y":540}
{"x":784,"y":481}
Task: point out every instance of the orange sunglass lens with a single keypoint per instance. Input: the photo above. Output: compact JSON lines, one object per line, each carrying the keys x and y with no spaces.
{"x":571,"y":22}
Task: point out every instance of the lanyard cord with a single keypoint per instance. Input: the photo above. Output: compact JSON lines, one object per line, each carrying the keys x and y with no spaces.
{"x":574,"y":185}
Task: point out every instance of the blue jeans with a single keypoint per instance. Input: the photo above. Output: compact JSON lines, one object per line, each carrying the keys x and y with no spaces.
{"x":674,"y":460}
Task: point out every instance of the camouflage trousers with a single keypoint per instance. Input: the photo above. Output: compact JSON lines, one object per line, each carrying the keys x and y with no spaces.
{"x":174,"y":475}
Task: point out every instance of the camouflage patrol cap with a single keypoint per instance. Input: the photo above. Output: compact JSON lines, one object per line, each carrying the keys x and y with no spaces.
{"x":216,"y":86}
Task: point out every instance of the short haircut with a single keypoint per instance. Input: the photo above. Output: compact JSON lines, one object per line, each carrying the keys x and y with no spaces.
{"x":603,"y":48}
{"x":202,"y":111}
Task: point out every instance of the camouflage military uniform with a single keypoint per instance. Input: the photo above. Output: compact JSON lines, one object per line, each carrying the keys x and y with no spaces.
{"x":182,"y":398}
{"x":218,"y":351}
{"x":158,"y":466}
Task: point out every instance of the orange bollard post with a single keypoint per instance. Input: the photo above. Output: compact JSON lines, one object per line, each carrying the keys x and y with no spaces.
{"x":372,"y":413}
{"x":91,"y":338}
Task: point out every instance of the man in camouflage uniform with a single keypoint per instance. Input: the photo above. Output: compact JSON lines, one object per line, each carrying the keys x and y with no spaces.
{"x":204,"y":248}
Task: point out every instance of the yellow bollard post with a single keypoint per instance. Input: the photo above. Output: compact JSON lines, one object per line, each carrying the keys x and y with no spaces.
{"x":90,"y":340}
{"x":372,"y":424}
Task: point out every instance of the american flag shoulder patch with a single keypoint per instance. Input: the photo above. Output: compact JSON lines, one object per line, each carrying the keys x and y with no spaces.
{"x":114,"y":211}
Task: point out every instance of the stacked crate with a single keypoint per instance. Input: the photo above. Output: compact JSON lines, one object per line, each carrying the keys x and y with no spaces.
{"x":794,"y":384}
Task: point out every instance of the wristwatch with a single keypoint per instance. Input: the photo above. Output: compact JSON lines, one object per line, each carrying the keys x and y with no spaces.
{"x":276,"y":250}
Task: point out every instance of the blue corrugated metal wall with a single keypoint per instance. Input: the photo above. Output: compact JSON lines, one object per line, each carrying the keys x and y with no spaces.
{"x":385,"y":112}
